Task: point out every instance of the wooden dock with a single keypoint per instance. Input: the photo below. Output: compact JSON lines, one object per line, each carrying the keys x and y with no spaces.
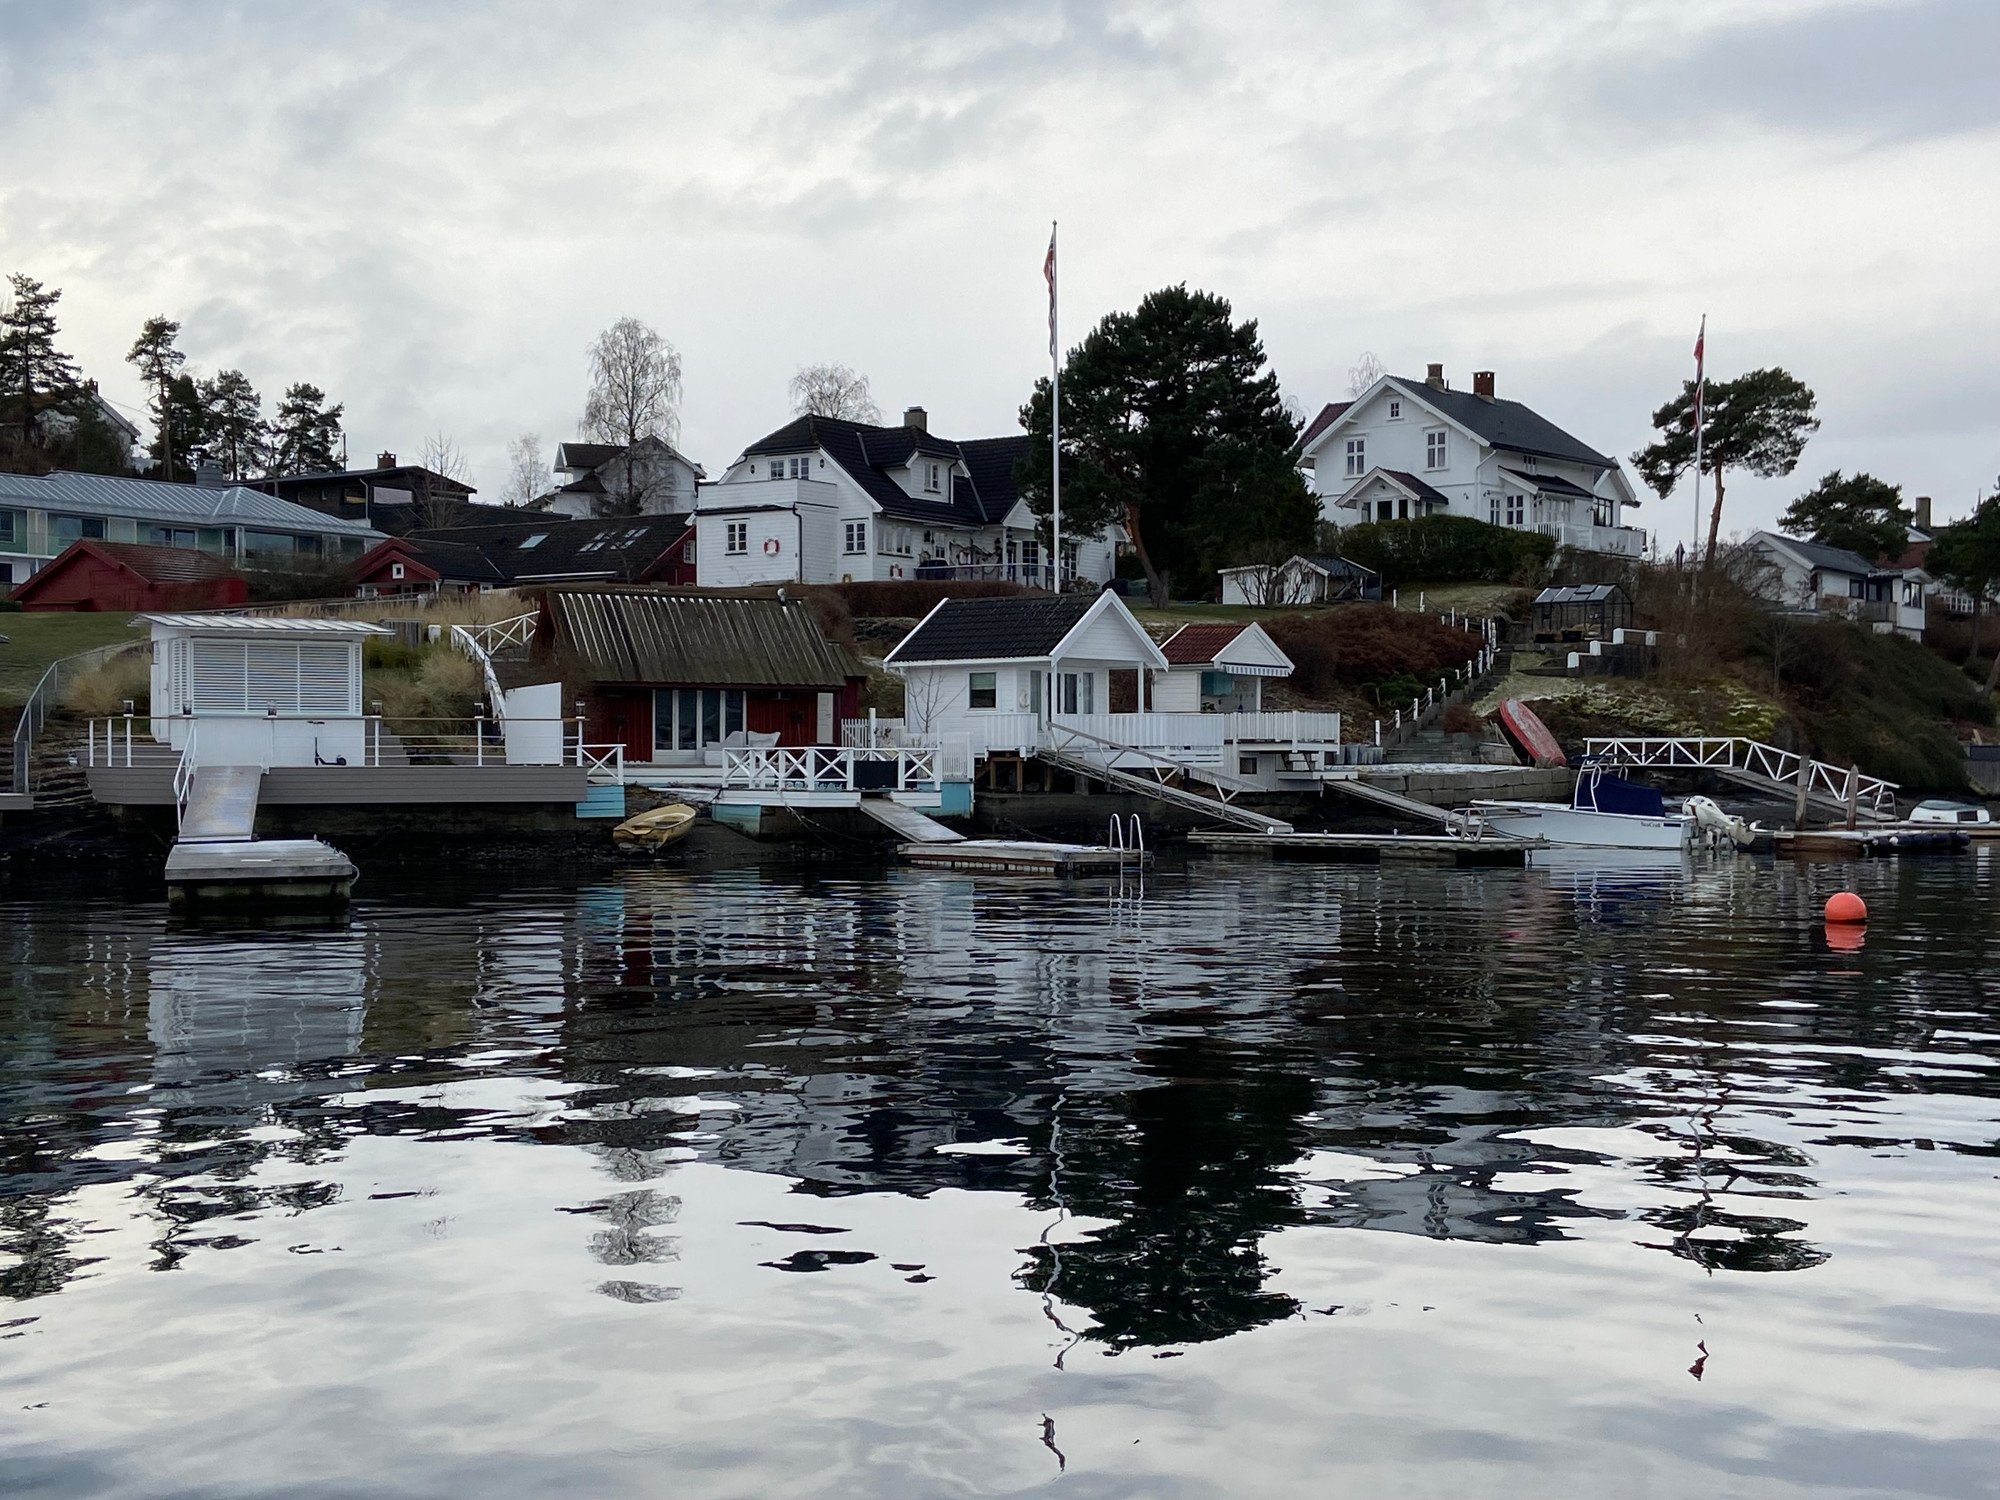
{"x":1023,"y":857}
{"x":1375,"y":848}
{"x":1860,"y":843}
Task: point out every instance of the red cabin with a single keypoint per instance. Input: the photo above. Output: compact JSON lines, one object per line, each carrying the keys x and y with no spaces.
{"x":131,"y":577}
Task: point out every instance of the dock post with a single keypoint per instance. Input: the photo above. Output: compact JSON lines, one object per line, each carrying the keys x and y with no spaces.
{"x":1853,"y":792}
{"x":1378,"y":734}
{"x":1805,"y":781}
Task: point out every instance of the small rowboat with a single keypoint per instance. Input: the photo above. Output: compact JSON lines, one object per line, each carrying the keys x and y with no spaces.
{"x":1530,"y":735}
{"x":652,"y":831}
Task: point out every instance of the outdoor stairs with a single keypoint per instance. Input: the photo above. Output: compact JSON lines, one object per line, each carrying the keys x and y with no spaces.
{"x":1163,"y":791}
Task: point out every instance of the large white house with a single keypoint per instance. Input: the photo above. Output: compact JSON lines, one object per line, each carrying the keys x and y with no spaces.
{"x":826,"y":501}
{"x":1407,"y":448}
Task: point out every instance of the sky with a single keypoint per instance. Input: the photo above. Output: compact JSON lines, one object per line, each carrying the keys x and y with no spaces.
{"x":431,"y":209}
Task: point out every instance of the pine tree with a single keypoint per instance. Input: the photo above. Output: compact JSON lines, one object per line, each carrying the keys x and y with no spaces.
{"x":235,"y":423}
{"x":157,"y":360}
{"x":304,"y":432}
{"x":35,"y":376}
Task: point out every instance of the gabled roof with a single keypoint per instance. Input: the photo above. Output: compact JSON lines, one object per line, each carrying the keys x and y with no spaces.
{"x":1328,"y":415}
{"x":649,"y":636}
{"x":1502,"y":424}
{"x":1580,"y":593}
{"x":154,"y":564}
{"x":415,"y":474}
{"x":542,"y":548}
{"x":1340,"y":567}
{"x":1547,"y":484}
{"x":1816,"y":554}
{"x":461,"y":562}
{"x":981,"y":496}
{"x":156,"y":500}
{"x":585,"y":455}
{"x":1012,"y":627}
{"x":1240,"y":648}
{"x":1397,"y":479}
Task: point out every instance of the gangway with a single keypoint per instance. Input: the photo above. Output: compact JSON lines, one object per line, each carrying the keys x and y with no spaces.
{"x":218,"y":804}
{"x":1156,"y":787}
{"x":1354,"y":786}
{"x":1751,"y":763}
{"x":908,"y":823}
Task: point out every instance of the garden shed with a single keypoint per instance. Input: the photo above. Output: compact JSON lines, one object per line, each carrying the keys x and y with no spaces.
{"x":1581,"y":612}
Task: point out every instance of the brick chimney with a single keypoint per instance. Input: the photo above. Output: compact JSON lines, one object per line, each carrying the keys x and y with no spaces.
{"x":1922,"y":506}
{"x":385,"y":460}
{"x":916,"y":419}
{"x":1482,"y":384}
{"x":1435,"y":378}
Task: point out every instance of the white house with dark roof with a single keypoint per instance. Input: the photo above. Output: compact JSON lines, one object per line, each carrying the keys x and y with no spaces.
{"x":1408,"y":448}
{"x":1813,"y":578}
{"x":652,"y":471}
{"x":827,"y":501}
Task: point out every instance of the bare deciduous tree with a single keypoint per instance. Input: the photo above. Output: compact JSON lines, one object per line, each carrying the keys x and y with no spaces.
{"x":527,"y":474}
{"x":440,"y":495}
{"x":635,"y":393}
{"x":833,"y":390}
{"x":1367,"y":370}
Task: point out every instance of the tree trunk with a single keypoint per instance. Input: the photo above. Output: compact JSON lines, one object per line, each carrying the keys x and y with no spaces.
{"x":1156,"y":586}
{"x":1714,"y":519}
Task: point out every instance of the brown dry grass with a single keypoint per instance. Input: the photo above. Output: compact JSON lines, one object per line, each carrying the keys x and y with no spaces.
{"x":103,"y":692}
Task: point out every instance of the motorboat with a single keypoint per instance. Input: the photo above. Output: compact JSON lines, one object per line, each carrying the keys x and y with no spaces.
{"x":1939,"y":810}
{"x":1604,"y":812}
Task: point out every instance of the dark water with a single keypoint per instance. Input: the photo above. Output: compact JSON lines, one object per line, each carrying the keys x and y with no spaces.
{"x":1259,"y":1180}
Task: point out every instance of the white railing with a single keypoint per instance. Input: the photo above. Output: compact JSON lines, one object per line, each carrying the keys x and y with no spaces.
{"x":1283,"y":728}
{"x":1192,"y":739}
{"x":605,"y":764}
{"x":1825,"y":781}
{"x":471,"y":646}
{"x":109,"y":743}
{"x":183,"y":779}
{"x":48,"y":691}
{"x":518,"y":630}
{"x":829,"y":768}
{"x":874,"y":733}
{"x":1618,"y":541}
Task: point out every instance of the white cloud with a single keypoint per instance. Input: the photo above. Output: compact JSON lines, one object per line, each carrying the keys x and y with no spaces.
{"x":430,"y":210}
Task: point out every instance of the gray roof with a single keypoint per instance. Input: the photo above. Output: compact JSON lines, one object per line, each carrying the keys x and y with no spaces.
{"x":264,"y":624}
{"x":1416,"y":486}
{"x":155,"y":500}
{"x":1009,"y":628}
{"x":1548,"y":484}
{"x":1504,"y":424}
{"x":1581,"y":593}
{"x":1819,"y":555}
{"x":646,"y":636}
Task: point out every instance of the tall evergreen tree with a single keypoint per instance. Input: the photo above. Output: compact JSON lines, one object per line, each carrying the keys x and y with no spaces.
{"x":235,"y":422}
{"x":158,"y":360}
{"x":305,"y":432}
{"x":183,"y":434}
{"x":1173,"y":427}
{"x":1759,"y":422}
{"x":1862,"y":514}
{"x":35,"y":376}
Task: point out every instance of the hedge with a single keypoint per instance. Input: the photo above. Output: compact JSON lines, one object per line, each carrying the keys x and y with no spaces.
{"x":1447,"y":549}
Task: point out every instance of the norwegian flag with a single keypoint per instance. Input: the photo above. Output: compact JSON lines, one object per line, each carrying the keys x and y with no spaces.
{"x":1049,"y":275}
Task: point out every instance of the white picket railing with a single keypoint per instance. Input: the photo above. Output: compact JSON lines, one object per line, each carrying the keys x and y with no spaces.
{"x":1192,"y":739}
{"x":827,"y":768}
{"x":1291,"y":728}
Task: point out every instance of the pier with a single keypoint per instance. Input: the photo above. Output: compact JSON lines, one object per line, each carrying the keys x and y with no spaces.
{"x":1374,"y":848}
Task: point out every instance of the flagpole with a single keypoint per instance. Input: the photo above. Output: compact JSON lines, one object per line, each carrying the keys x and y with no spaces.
{"x":1700,"y":364}
{"x":1055,"y":420}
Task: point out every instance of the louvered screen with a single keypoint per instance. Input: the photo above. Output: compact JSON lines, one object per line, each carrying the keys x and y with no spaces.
{"x":218,"y":673}
{"x":274,"y":678}
{"x":326,"y":678}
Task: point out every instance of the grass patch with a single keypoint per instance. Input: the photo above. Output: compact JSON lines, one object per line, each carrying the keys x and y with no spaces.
{"x":35,"y":639}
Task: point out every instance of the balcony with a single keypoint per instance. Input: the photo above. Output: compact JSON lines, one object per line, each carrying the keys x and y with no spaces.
{"x":1614,"y":541}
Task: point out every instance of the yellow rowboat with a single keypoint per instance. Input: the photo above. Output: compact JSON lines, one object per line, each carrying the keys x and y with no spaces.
{"x":655,"y":830}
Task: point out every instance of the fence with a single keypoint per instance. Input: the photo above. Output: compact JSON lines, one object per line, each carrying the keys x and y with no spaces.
{"x":57,"y":680}
{"x":824,"y":768}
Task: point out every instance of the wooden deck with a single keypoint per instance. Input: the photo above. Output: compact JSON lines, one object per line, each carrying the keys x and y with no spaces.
{"x":1374,"y":848}
{"x":359,"y":786}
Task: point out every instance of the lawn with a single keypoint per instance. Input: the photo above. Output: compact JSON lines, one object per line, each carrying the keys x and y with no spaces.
{"x":35,"y":640}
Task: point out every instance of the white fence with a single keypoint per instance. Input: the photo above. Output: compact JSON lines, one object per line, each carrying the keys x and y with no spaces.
{"x":1191,"y":739}
{"x":1282,"y":728}
{"x":824,"y":768}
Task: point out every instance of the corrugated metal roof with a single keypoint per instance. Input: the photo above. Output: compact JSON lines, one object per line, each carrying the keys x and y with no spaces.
{"x":263,"y":624}
{"x":643,"y":636}
{"x":155,"y":500}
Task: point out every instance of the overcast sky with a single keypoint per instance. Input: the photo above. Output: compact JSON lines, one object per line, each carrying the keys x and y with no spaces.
{"x":430,"y":209}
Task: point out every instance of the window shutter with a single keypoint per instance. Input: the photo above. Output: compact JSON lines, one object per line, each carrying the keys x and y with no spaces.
{"x":218,"y":670}
{"x":326,"y":678}
{"x":273,"y":673}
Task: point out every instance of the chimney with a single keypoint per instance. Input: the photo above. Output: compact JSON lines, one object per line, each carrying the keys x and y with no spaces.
{"x":916,"y":419}
{"x":1482,"y":384}
{"x":1435,"y":378}
{"x":208,"y":476}
{"x":385,"y":460}
{"x":1922,"y":505}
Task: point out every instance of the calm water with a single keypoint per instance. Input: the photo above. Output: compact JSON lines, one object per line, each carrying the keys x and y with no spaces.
{"x":1293,"y":1180}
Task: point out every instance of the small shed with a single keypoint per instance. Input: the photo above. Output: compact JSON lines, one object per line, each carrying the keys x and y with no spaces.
{"x":1217,"y":667}
{"x":96,"y":575}
{"x":1581,"y":612}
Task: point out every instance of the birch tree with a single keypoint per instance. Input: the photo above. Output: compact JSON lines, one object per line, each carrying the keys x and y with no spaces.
{"x":635,"y":393}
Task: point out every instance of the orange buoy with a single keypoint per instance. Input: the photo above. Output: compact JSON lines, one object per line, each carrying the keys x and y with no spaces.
{"x":1845,"y":906}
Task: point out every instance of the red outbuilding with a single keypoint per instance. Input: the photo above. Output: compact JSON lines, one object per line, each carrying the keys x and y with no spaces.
{"x":94,"y":575}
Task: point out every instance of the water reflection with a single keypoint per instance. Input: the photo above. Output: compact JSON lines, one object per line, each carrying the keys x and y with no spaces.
{"x":1175,"y":1080}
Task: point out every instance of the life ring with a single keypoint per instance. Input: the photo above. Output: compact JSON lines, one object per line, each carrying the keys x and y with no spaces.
{"x":770,"y":546}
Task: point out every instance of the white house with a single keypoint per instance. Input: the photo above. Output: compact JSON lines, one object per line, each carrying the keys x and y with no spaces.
{"x":1218,"y":669}
{"x":1408,"y":448}
{"x":826,"y":501}
{"x":652,"y":470}
{"x":1300,"y":580}
{"x":1816,"y":579}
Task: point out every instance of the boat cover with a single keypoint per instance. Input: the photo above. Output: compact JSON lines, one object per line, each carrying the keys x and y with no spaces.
{"x":1599,"y":792}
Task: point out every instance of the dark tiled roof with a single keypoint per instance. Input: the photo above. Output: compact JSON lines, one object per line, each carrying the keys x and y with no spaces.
{"x":1819,"y":555}
{"x":1193,"y":645}
{"x":1416,"y":486}
{"x":620,"y":550}
{"x":1328,"y":415}
{"x":1340,"y":567}
{"x":1505,"y":424}
{"x":585,"y":455}
{"x":867,"y":453}
{"x":1548,"y":484}
{"x":1003,"y":629}
{"x":401,"y":520}
{"x":414,"y":474}
{"x":646,"y":636}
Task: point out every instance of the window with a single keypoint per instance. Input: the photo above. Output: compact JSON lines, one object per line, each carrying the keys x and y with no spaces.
{"x":931,"y":477}
{"x":1217,"y":684}
{"x":167,"y":536}
{"x":534,"y":541}
{"x":982,"y":690}
{"x":687,"y":552}
{"x":1493,"y":507}
{"x":737,"y":541}
{"x":694,"y":718}
{"x":13,"y":528}
{"x":66,"y":529}
{"x":1357,"y":457}
{"x":1600,"y":511}
{"x":1031,"y":554}
{"x":1246,"y":765}
{"x":801,"y":468}
{"x":395,"y":570}
{"x":902,"y":543}
{"x":1395,"y":411}
{"x":1385,"y":510}
{"x":1517,"y":508}
{"x":1073,"y":693}
{"x":1434,"y":449}
{"x":274,"y":543}
{"x":857,"y":537}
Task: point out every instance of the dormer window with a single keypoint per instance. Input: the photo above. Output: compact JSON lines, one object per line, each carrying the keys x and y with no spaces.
{"x":931,"y":478}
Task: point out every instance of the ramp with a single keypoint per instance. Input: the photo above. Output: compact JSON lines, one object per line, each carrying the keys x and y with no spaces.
{"x":1761,"y":767}
{"x":908,"y":823}
{"x":1383,"y":797}
{"x":221,"y":806}
{"x":1160,"y":791}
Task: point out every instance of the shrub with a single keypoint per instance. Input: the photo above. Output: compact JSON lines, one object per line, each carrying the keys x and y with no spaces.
{"x":1369,"y":647}
{"x":1460,"y":719}
{"x":101,"y":693}
{"x":1447,"y":549}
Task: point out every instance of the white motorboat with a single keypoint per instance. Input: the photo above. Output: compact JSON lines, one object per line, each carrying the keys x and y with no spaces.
{"x":1939,"y":810}
{"x":1604,"y":812}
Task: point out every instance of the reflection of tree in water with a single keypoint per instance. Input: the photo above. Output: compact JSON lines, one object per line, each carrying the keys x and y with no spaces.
{"x":1192,"y":1171}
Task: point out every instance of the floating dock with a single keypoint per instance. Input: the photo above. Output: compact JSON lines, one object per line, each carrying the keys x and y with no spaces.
{"x":262,"y":871}
{"x":1860,"y":843}
{"x":1375,"y":848}
{"x":1022,"y":857}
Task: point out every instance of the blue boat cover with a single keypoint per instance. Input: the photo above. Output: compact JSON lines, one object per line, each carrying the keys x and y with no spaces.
{"x":1598,"y":792}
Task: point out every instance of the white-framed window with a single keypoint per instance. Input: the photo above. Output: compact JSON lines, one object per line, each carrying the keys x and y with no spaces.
{"x":1073,"y":693}
{"x":982,"y":690}
{"x":692,"y":718}
{"x":1434,"y":448}
{"x":395,"y":570}
{"x":1031,"y":553}
{"x":931,"y":478}
{"x":1517,"y":508}
{"x":1493,"y":506}
{"x":856,"y":537}
{"x":1395,"y":411}
{"x":737,"y":539}
{"x":1357,"y":457}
